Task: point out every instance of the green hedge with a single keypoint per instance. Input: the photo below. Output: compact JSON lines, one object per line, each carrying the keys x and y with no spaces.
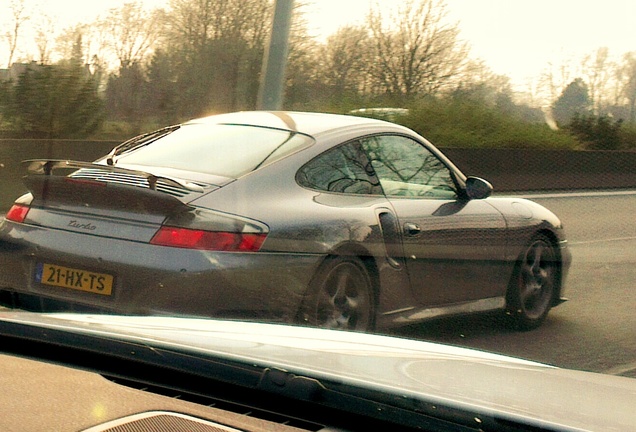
{"x":472,"y":125}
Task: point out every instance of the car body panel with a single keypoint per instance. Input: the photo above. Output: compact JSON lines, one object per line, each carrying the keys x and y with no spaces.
{"x":461,"y":239}
{"x":163,"y":281}
{"x":102,"y":222}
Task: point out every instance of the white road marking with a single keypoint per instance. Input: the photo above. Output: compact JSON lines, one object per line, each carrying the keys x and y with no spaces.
{"x":617,"y":239}
{"x":621,"y":369}
{"x":578,"y":194}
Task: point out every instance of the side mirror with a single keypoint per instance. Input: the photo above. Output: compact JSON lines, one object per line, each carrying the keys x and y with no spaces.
{"x":477,"y":188}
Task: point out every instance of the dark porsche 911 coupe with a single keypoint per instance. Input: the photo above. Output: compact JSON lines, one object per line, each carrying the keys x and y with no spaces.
{"x":327,"y":220}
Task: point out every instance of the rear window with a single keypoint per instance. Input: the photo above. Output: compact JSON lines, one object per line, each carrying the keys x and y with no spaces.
{"x":225,"y":150}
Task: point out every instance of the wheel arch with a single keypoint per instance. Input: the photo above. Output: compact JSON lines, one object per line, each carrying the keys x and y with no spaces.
{"x":368,"y":260}
{"x":554,"y":240}
{"x":516,"y":314}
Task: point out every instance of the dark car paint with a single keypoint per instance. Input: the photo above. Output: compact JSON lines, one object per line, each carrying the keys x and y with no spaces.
{"x":399,"y":300}
{"x":488,"y":235}
{"x":170,"y":282}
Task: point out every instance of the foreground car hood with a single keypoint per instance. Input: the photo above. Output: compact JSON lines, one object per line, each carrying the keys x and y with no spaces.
{"x":436,"y":374}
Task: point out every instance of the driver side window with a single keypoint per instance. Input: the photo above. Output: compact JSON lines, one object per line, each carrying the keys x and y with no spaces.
{"x":407,"y":168}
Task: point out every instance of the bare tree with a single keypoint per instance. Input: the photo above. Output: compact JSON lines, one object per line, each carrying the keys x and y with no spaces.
{"x":479,"y":82}
{"x":44,"y":30}
{"x":629,"y":83}
{"x":67,"y":46}
{"x":596,"y":73}
{"x":344,"y":58}
{"x":217,"y":47}
{"x":303,"y":65}
{"x":132,"y":31}
{"x":417,"y":50}
{"x":553,"y":80}
{"x":194,"y":23}
{"x":18,"y":12}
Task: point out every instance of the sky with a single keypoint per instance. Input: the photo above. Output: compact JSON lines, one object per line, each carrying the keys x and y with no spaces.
{"x":517,"y":38}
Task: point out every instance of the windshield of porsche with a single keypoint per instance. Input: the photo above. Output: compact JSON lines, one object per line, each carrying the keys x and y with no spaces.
{"x":225,"y":150}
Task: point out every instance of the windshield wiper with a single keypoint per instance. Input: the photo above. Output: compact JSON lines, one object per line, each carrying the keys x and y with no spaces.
{"x":138,"y":141}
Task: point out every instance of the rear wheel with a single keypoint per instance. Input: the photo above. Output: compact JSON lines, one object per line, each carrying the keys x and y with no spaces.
{"x":533,"y":284}
{"x":340,"y":296}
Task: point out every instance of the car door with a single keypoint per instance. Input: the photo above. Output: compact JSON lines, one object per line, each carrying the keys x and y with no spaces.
{"x":345,"y":171}
{"x":349,"y":187}
{"x":453,"y":247}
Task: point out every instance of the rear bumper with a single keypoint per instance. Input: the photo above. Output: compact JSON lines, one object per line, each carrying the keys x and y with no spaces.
{"x":155,"y":279}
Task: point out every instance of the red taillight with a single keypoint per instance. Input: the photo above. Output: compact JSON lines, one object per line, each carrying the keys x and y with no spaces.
{"x":17,"y":213}
{"x":208,"y":240}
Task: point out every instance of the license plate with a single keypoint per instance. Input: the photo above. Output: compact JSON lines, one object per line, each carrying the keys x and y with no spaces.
{"x":82,"y":280}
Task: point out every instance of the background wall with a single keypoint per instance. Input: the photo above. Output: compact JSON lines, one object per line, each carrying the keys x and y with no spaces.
{"x":507,"y":169}
{"x":538,"y":170}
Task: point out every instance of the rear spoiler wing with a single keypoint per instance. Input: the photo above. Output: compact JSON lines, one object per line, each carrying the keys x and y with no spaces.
{"x":47,"y":166}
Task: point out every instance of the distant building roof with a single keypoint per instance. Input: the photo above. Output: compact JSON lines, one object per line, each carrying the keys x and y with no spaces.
{"x":16,"y":69}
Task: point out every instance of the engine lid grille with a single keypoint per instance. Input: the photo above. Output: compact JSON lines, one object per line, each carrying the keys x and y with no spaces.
{"x":132,"y":180}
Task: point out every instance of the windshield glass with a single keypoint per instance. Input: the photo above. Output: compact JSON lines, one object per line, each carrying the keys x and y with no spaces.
{"x":225,"y":150}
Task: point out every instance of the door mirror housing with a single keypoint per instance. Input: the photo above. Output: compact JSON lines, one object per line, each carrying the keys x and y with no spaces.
{"x":478,"y":188}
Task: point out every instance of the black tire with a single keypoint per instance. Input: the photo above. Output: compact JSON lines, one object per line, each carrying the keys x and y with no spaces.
{"x":340,"y":296}
{"x":532,"y":287}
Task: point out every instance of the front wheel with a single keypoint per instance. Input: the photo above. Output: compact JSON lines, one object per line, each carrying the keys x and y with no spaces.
{"x":532,"y":287}
{"x":340,"y":296}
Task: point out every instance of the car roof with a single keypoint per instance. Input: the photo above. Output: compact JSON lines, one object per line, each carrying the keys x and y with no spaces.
{"x":303,"y":122}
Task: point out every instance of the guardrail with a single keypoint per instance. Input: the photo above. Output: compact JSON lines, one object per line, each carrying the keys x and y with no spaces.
{"x":538,"y":170}
{"x":507,"y":169}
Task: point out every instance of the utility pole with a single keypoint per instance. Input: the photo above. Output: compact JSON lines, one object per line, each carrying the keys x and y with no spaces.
{"x":270,"y":95}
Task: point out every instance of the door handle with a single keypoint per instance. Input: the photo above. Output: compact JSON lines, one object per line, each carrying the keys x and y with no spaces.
{"x":412,"y":229}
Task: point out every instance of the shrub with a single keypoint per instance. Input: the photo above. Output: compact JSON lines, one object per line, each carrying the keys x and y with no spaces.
{"x":470,"y":124}
{"x":597,"y":132}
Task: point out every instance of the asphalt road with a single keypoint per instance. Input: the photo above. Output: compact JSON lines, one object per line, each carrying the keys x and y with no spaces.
{"x":596,"y":329}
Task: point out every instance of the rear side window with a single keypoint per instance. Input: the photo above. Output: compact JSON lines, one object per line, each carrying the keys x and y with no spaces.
{"x":343,"y":169}
{"x":224,"y":150}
